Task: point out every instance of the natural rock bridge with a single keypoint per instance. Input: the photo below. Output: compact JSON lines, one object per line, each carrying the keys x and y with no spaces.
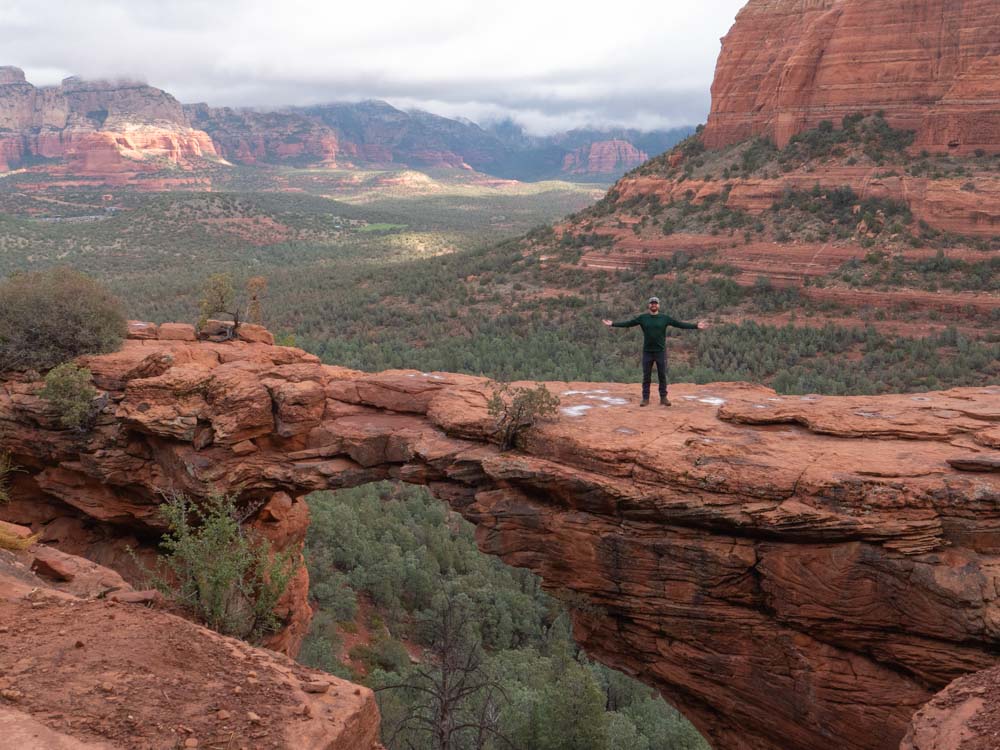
{"x":791,"y":572}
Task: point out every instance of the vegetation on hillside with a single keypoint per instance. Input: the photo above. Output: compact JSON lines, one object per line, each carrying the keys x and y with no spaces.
{"x":857,"y":140}
{"x":942,"y":271}
{"x":7,"y":469}
{"x":444,"y":294}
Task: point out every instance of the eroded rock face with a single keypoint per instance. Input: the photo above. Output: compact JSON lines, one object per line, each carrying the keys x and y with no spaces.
{"x":930,"y":65}
{"x":788,"y":571}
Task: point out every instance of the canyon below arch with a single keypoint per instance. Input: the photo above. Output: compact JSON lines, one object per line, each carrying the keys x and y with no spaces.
{"x":789,"y":571}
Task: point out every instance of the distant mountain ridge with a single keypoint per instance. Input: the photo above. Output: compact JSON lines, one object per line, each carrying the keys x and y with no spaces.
{"x":374,"y":133}
{"x":114,"y":128}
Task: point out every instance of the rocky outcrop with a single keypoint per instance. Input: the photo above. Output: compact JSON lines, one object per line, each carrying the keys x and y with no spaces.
{"x":604,"y":158}
{"x":95,"y":128}
{"x":963,"y":716}
{"x":788,"y":571}
{"x":84,"y":666}
{"x":931,"y":66}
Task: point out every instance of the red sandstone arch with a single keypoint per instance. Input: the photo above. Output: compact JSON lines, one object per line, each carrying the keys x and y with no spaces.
{"x":791,"y":572}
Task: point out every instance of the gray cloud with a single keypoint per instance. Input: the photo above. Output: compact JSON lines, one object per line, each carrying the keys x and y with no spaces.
{"x":548,"y":65}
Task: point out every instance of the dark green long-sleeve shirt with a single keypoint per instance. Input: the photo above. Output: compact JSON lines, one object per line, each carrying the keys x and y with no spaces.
{"x":654,"y":329}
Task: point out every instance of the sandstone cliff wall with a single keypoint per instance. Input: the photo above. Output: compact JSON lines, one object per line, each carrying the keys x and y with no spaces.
{"x":790,"y":572}
{"x":930,"y":65}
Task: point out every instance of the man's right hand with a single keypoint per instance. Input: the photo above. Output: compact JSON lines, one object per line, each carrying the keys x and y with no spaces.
{"x":607,"y":323}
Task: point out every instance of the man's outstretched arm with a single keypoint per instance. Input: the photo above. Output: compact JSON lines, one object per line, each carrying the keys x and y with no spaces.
{"x":621,"y":323}
{"x":701,"y":324}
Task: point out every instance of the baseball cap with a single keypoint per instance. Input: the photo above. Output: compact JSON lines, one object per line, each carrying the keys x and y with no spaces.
{"x":652,"y":300}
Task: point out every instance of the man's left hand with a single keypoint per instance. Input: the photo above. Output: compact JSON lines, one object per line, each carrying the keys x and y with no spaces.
{"x":702,"y":325}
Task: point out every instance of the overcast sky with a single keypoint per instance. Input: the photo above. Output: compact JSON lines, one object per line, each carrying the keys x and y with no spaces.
{"x":549,"y":64}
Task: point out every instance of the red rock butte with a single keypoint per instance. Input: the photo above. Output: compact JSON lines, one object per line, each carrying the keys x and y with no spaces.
{"x":789,"y":571}
{"x":932,"y":66}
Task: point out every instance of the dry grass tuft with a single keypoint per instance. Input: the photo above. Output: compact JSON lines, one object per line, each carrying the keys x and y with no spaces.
{"x":16,"y":543}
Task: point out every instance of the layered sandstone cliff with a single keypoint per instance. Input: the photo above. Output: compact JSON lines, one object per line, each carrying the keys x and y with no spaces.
{"x":95,"y":127}
{"x":930,"y":65}
{"x":364,"y":134}
{"x":791,"y":572}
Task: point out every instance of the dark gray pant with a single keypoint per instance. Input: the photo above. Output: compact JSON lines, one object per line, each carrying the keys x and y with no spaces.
{"x":648,"y":358}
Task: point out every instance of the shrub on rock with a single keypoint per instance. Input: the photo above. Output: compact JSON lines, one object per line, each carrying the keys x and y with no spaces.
{"x":68,"y":389}
{"x":50,"y":317}
{"x":228,"y":578}
{"x":516,"y":410}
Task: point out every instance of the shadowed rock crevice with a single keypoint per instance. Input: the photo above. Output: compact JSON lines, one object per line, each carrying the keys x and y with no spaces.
{"x":782,"y":584}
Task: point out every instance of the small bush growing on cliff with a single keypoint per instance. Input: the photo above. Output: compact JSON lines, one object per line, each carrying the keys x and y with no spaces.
{"x":219,"y":297}
{"x":515,"y":410}
{"x":49,"y":317}
{"x":68,"y":389}
{"x":229,"y":579}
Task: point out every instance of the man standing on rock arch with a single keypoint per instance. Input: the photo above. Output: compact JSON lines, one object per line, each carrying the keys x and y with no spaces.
{"x":654,"y":345}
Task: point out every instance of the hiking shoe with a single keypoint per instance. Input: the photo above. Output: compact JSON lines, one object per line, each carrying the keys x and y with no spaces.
{"x":644,"y":402}
{"x":664,"y":401}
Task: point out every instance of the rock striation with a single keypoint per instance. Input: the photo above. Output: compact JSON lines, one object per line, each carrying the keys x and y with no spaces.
{"x":931,"y":66}
{"x":788,"y":571}
{"x":250,"y":137}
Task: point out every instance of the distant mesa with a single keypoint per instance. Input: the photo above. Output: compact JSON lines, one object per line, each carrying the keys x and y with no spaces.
{"x":604,"y":157}
{"x":112,"y":129}
{"x":9,"y":74}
